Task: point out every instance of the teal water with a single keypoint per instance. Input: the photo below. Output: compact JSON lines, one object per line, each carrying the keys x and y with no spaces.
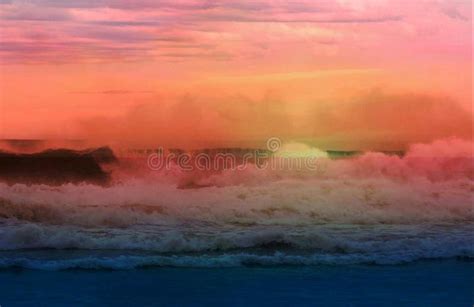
{"x":423,"y":283}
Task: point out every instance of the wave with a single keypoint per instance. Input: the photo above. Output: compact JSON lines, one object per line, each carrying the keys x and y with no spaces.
{"x":289,"y":201}
{"x":210,"y":261}
{"x":331,"y":238}
{"x":56,"y":166}
{"x":373,"y":208}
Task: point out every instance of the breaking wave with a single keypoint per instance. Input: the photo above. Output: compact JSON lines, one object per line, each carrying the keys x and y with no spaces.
{"x":208,"y":261}
{"x":373,"y":208}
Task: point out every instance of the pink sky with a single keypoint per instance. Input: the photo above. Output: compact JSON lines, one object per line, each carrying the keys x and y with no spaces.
{"x":345,"y":74}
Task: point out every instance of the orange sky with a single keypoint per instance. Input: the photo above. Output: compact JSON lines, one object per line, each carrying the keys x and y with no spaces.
{"x":348,"y":74}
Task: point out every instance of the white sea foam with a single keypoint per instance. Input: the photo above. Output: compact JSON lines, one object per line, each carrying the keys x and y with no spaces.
{"x":373,"y":208}
{"x":127,"y":262}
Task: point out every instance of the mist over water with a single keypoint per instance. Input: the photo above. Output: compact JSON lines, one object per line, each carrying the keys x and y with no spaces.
{"x":373,"y":208}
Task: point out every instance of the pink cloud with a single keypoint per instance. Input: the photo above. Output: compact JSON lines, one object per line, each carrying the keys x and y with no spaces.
{"x":114,"y":26}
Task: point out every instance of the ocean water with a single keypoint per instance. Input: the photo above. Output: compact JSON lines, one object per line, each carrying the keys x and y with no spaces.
{"x":371,"y":229}
{"x":423,"y":283}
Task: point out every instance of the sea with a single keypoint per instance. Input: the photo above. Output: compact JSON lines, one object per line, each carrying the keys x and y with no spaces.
{"x":370,"y":230}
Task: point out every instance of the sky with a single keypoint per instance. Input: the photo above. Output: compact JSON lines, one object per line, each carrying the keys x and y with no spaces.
{"x":336,"y":74}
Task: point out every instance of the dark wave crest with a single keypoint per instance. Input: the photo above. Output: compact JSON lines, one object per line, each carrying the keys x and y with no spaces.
{"x":56,"y":166}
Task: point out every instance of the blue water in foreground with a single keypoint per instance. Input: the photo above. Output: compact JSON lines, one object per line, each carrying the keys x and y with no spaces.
{"x":423,"y":283}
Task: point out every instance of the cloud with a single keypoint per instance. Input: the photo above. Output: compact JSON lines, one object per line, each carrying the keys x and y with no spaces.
{"x":124,"y":36}
{"x":33,"y":13}
{"x":17,"y":52}
{"x":105,"y":30}
{"x":454,"y":13}
{"x":297,"y":19}
{"x":189,"y":5}
{"x":112,"y":92}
